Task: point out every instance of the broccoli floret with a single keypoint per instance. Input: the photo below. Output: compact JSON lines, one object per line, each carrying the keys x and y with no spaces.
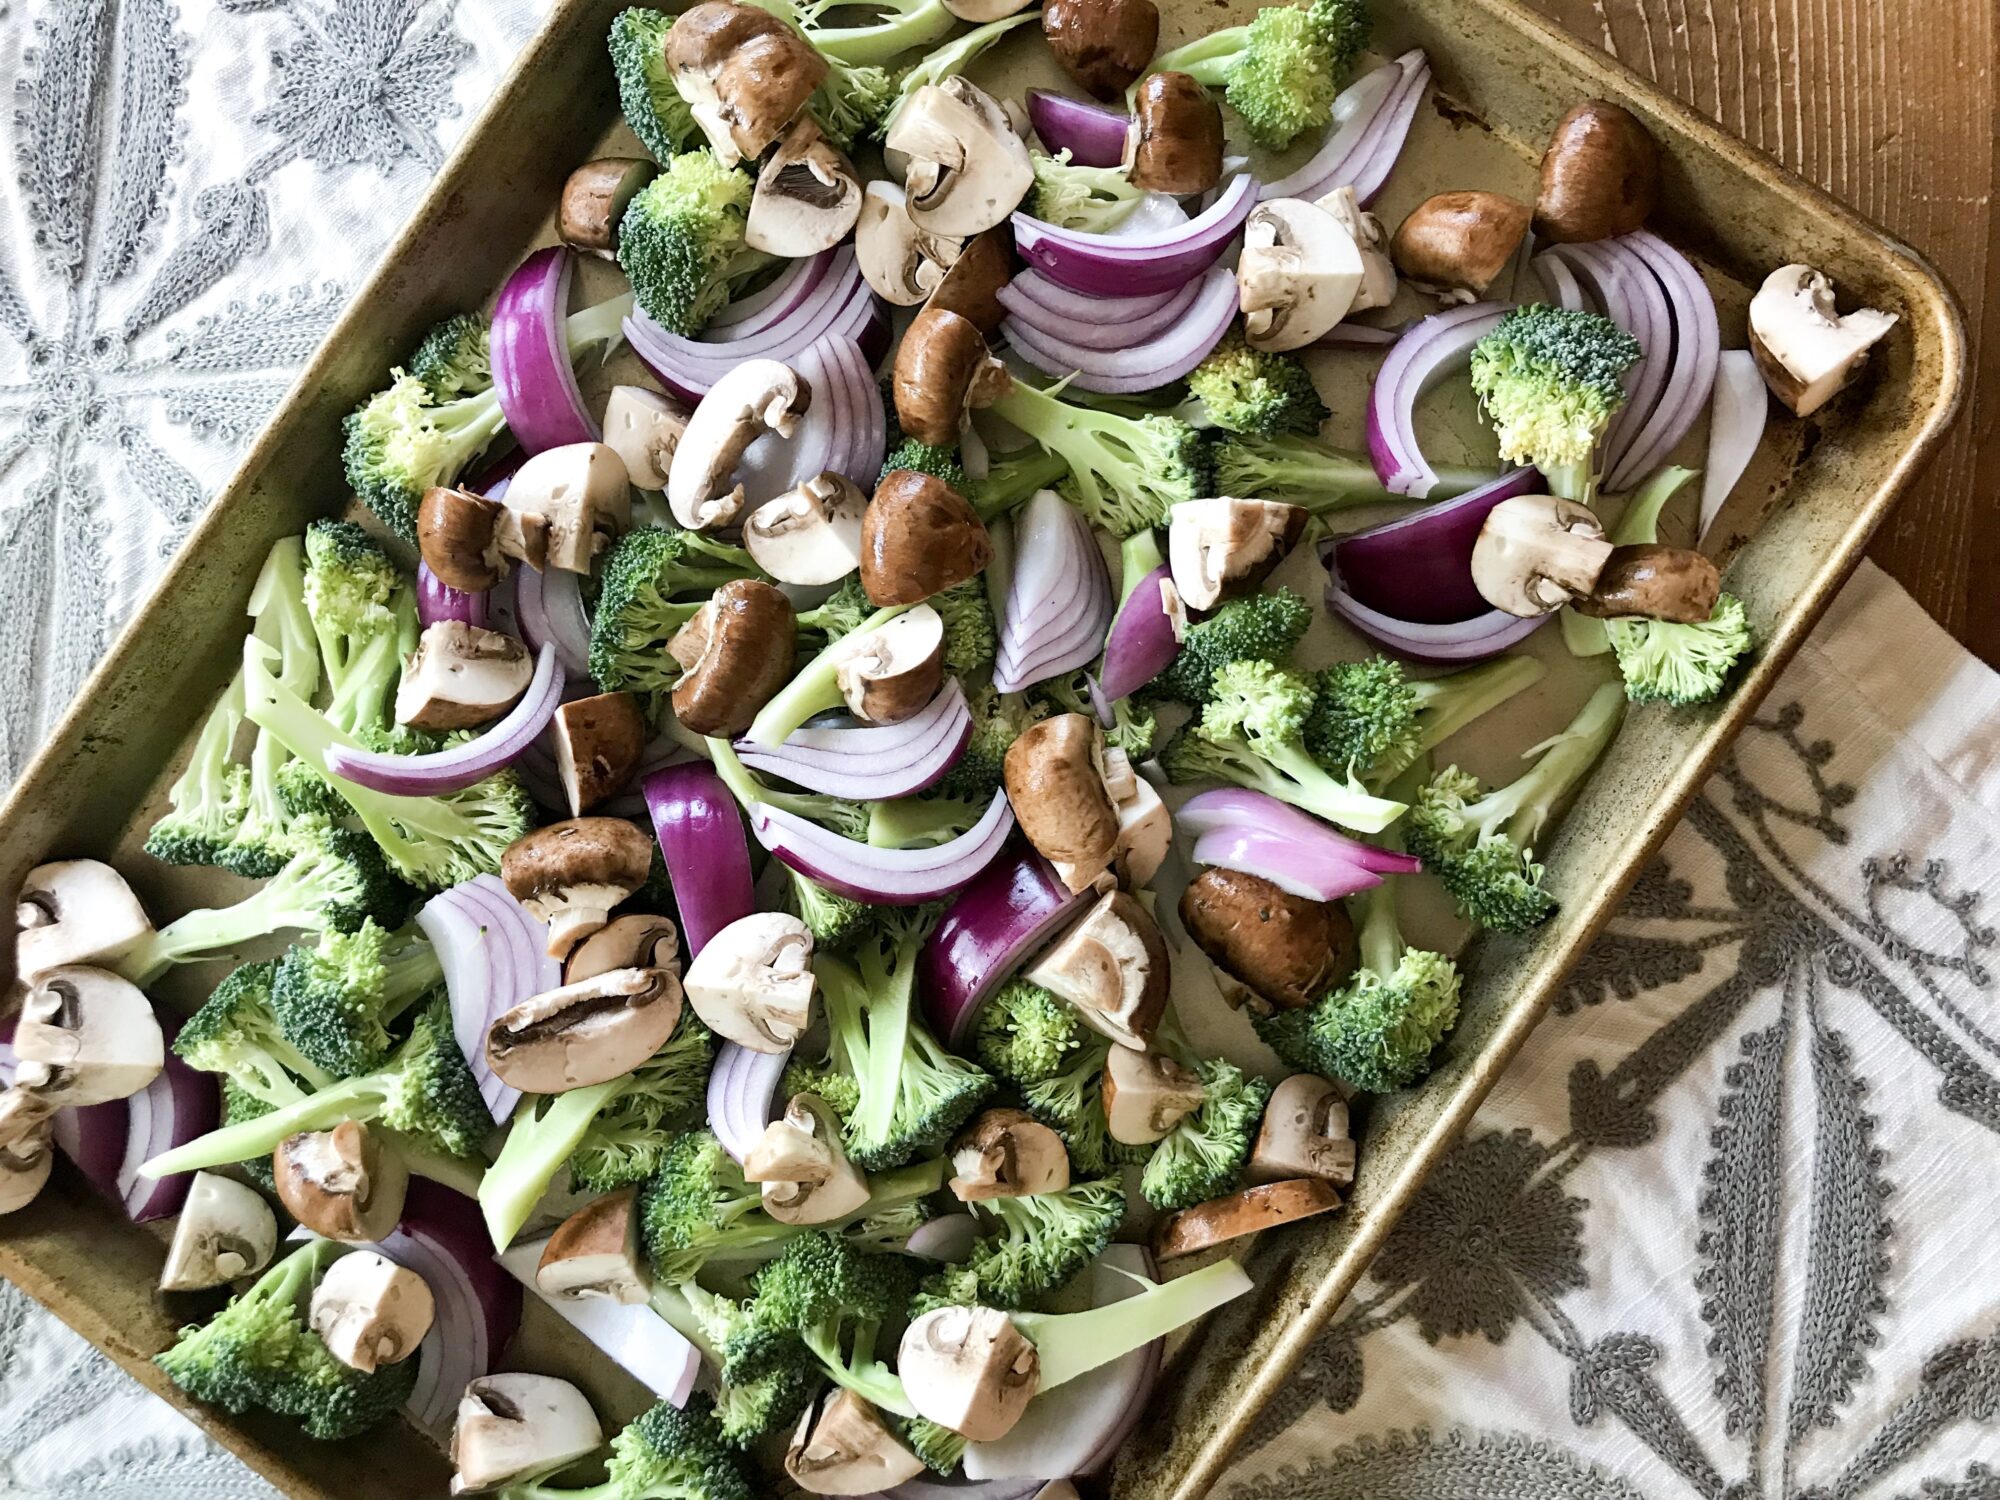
{"x":1317,"y":476}
{"x":1666,"y":662}
{"x":1013,"y":480}
{"x":665,"y":1454}
{"x":839,"y":614}
{"x":236,"y":1034}
{"x":1374,"y":719}
{"x":264,"y":839}
{"x":653,"y":107}
{"x":1258,"y":627}
{"x":832,"y":919}
{"x":1256,"y":391}
{"x":240,"y":1106}
{"x":654,"y":582}
{"x":815,"y":688}
{"x":824,"y":1081}
{"x":1044,"y":1240}
{"x":1480,"y":844}
{"x":1133,"y":726}
{"x":1203,"y":1155}
{"x":744,"y":1409}
{"x":1282,"y":70}
{"x":1093,"y":199}
{"x":1071,"y":1103}
{"x":336,"y":1001}
{"x":941,"y":1449}
{"x":1550,"y":380}
{"x":681,"y":240}
{"x":1125,"y":472}
{"x":455,"y":357}
{"x":206,"y":804}
{"x":948,"y":61}
{"x":998,"y":719}
{"x":351,"y":585}
{"x":852,"y":103}
{"x":969,"y":631}
{"x":1025,"y":1035}
{"x":924,"y":458}
{"x":834,"y":1298}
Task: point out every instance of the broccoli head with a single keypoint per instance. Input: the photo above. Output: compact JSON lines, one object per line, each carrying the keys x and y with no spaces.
{"x":1550,"y":380}
{"x":1281,"y":71}
{"x":1258,"y":627}
{"x":1044,"y":1241}
{"x":1133,"y":729}
{"x":1373,"y":718}
{"x":925,"y":458}
{"x":236,"y":1034}
{"x":1024,"y":1034}
{"x":1203,"y":1155}
{"x":654,"y":582}
{"x":1256,"y":391}
{"x":682,"y":239}
{"x":831,"y":1296}
{"x":207,"y":803}
{"x":666,"y":1453}
{"x":1125,"y":472}
{"x":696,"y":1204}
{"x":653,"y":107}
{"x":335,"y":1001}
{"x":401,"y":441}
{"x":1071,"y":1102}
{"x":1093,"y":199}
{"x":970,"y":635}
{"x":1663,"y":661}
{"x":239,"y":1106}
{"x":998,"y":719}
{"x":455,"y":357}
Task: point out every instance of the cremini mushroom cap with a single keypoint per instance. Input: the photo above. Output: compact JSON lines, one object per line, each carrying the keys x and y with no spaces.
{"x":638,"y":940}
{"x":1054,"y":774}
{"x":341,"y":1183}
{"x":1600,"y":175}
{"x":744,"y":73}
{"x":585,"y":1033}
{"x":919,"y":536}
{"x":599,"y":743}
{"x":1304,"y":1134}
{"x":811,"y":534}
{"x":1174,"y":144}
{"x":458,"y":537}
{"x":968,"y":169}
{"x":580,"y":492}
{"x":891,"y":673}
{"x":1457,"y":244}
{"x":737,"y":651}
{"x":1102,"y":44}
{"x":1806,"y":349}
{"x":804,"y":1170}
{"x":1008,"y":1153}
{"x":972,"y":282}
{"x":1648,"y":580}
{"x":943,"y":369}
{"x":570,"y":874}
{"x":595,"y":198}
{"x":902,"y":263}
{"x":1254,"y":1209}
{"x":841,"y":1447}
{"x":1286,"y":950}
{"x":594,"y":1253}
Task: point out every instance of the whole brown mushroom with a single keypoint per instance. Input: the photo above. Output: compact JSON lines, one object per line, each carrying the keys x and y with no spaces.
{"x":943,"y":368}
{"x":1175,"y":141}
{"x":458,"y":537}
{"x":1649,"y":580}
{"x":744,"y":72}
{"x":1054,"y":773}
{"x":737,"y":652}
{"x":594,"y":199}
{"x":1600,"y":175}
{"x":1286,"y":950}
{"x":1456,"y":244}
{"x":919,"y":537}
{"x":1102,"y":44}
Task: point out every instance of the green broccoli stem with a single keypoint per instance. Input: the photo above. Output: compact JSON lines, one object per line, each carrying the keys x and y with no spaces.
{"x":912,"y":822}
{"x":862,"y":1374}
{"x":878,"y":43}
{"x":462,"y":1177}
{"x":948,"y":61}
{"x":763,"y":1238}
{"x":544,"y":1134}
{"x":1522,"y":809}
{"x":1319,"y":792}
{"x":1447,"y":704}
{"x":205,"y":782}
{"x":1208,"y":60}
{"x":751,"y":793}
{"x":602,"y":323}
{"x":290,"y":899}
{"x":360,"y":1099}
{"x":873,"y":1028}
{"x":1073,"y":1344}
{"x":814,"y":690}
{"x":1639,"y":522}
{"x":1379,"y":935}
{"x":670,"y":1305}
{"x":1012,"y":480}
{"x":1138,"y":555}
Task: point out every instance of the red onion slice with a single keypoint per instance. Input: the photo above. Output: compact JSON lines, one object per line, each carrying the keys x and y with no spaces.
{"x":1093,"y":135}
{"x":1418,"y":567}
{"x":1097,"y":330}
{"x":1697,"y":354}
{"x":1735,"y":428}
{"x":1147,"y":363}
{"x":549,"y":606}
{"x":458,"y":767}
{"x":181,"y":1105}
{"x":689,"y":367}
{"x":1383,"y":145}
{"x":530,"y":355}
{"x":763,"y":307}
{"x":1470,"y":640}
{"x":1564,"y":289}
{"x":632,"y":1336}
{"x":1288,"y":865}
{"x":743,"y":1095}
{"x":1355,"y":110}
{"x":1232,"y":807}
{"x":708,"y":858}
{"x":438,"y":600}
{"x":961,"y":1489}
{"x":1058,"y":604}
{"x":871,"y":420}
{"x":997,"y":924}
{"x":1141,"y":644}
{"x":1422,"y":357}
{"x":1131,"y":265}
{"x":1078,"y":307}
{"x":866,"y":763}
{"x":892,"y":877}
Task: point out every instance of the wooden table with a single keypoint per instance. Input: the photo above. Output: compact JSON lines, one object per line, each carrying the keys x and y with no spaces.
{"x":1893,"y":107}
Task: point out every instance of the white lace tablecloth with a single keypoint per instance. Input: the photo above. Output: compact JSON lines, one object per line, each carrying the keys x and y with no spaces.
{"x":1727,"y":1231}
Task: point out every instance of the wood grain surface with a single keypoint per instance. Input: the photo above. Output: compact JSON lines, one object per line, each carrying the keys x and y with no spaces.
{"x":1892,"y":106}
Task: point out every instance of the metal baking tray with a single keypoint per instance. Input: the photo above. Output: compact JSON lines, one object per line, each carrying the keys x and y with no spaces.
{"x":1795,"y":529}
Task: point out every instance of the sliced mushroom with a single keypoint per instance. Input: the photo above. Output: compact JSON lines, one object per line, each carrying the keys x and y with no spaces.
{"x":919,"y":536}
{"x":1600,"y":175}
{"x":969,"y":1369}
{"x":594,"y":200}
{"x":1112,"y":966}
{"x":1536,"y":553}
{"x":594,"y":1254}
{"x":1145,"y":833}
{"x":225,"y":1230}
{"x":458,"y":537}
{"x":637,"y":941}
{"x":1378,"y":271}
{"x":1288,"y":951}
{"x":755,"y":397}
{"x":581,"y":494}
{"x":86,"y":1036}
{"x":806,"y":1175}
{"x":1304,"y":1134}
{"x":371,"y":1312}
{"x":27,"y":1155}
{"x":1454,"y":245}
{"x":808,"y":196}
{"x":1054,"y":773}
{"x":744,"y":73}
{"x":890,"y":673}
{"x":461,"y":676}
{"x":1174,"y":144}
{"x":737,"y":651}
{"x":1219,"y":549}
{"x":1806,"y":349}
{"x":902,"y":263}
{"x":585,"y":1033}
{"x":341,"y":1183}
{"x":643,"y":428}
{"x":968,"y":169}
{"x":517,"y":1426}
{"x":842,"y":1448}
{"x":75,"y":911}
{"x":752,"y":983}
{"x":1007,"y":1153}
{"x":1248,"y":1212}
{"x":571,"y":874}
{"x":1647,"y":580}
{"x":1298,"y":275}
{"x":811,"y":534}
{"x":972,"y":282}
{"x":944,"y":369}
{"x":1146,"y":1095}
{"x":1102,"y":44}
{"x":599,"y":743}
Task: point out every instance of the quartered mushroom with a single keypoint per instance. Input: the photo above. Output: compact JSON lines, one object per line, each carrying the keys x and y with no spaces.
{"x":841,"y":1447}
{"x":517,"y":1426}
{"x":594,"y":200}
{"x":341,"y":1183}
{"x":889,"y":674}
{"x":808,"y":196}
{"x":585,"y":1033}
{"x":1146,"y":1095}
{"x":459,"y":538}
{"x":75,"y":911}
{"x":972,"y":282}
{"x":1304,"y":1134}
{"x":1174,"y":144}
{"x":1298,"y":275}
{"x":580,"y":495}
{"x":736,"y":652}
{"x":1536,"y":553}
{"x":643,"y":428}
{"x":1378,"y":271}
{"x":919,"y":536}
{"x":599,"y":743}
{"x":1219,"y":549}
{"x":1113,"y":967}
{"x":1055,"y":779}
{"x":811,"y":534}
{"x":968,"y":168}
{"x":1102,"y":44}
{"x":1248,"y":1212}
{"x":27,"y":1146}
{"x":371,"y":1312}
{"x":1008,"y":1153}
{"x":1806,"y":348}
{"x":1652,"y":581}
{"x":752,"y":983}
{"x":636,"y":941}
{"x":755,"y":397}
{"x":461,"y":676}
{"x":744,"y":73}
{"x":804,"y":1170}
{"x":1455,"y":245}
{"x":571,"y":874}
{"x":86,"y":1036}
{"x":594,"y":1254}
{"x":1145,"y":832}
{"x":901,"y":263}
{"x":225,"y":1230}
{"x":1285,"y":950}
{"x":1600,"y":175}
{"x":943,"y":370}
{"x":969,"y":1369}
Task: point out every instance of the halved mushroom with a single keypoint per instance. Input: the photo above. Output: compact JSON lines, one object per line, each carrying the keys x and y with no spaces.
{"x":944,"y":369}
{"x":807,"y":198}
{"x":371,"y":1312}
{"x":517,"y":1426}
{"x":811,"y":534}
{"x":889,"y":674}
{"x":737,"y":651}
{"x":1008,"y":1153}
{"x":1146,"y":1095}
{"x":1536,"y":553}
{"x":599,"y":743}
{"x":1145,"y":833}
{"x":341,"y":1183}
{"x":969,"y":1369}
{"x":1454,"y":245}
{"x":594,"y":200}
{"x":752,"y":983}
{"x":806,"y":1175}
{"x":585,"y":1033}
{"x":744,"y":73}
{"x":636,"y":941}
{"x":461,"y":676}
{"x":458,"y":537}
{"x":225,"y":1230}
{"x":919,"y":536}
{"x":27,"y":1155}
{"x":1806,"y":349}
{"x":1298,"y":275}
{"x":571,"y":874}
{"x":1254,"y":1209}
{"x":1102,"y":44}
{"x":1054,"y":773}
{"x":580,"y":493}
{"x":1286,"y":950}
{"x":900,"y":262}
{"x":972,"y":282}
{"x":75,"y":911}
{"x":1378,"y":271}
{"x":1112,"y":966}
{"x":594,"y":1254}
{"x":1218,"y":549}
{"x":1174,"y":144}
{"x":86,"y":1036}
{"x":1648,"y":580}
{"x":1600,"y":175}
{"x":968,"y":169}
{"x":755,"y":397}
{"x":643,"y":428}
{"x":842,"y":1448}
{"x":1304,"y":1134}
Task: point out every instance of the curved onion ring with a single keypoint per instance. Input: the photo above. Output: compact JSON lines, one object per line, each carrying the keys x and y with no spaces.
{"x":870,"y":763}
{"x":1128,"y":265}
{"x":454,"y":769}
{"x":1422,"y":357}
{"x":890,"y":877}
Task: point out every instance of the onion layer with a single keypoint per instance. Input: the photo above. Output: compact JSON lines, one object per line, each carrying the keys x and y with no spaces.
{"x":997,"y":923}
{"x":1141,"y":644}
{"x":1422,"y":357}
{"x":1129,"y":265}
{"x":438,"y":600}
{"x":1697,"y":353}
{"x":708,"y":858}
{"x":1371,"y":121}
{"x":494,"y":955}
{"x":1458,"y":641}
{"x":530,"y":355}
{"x":458,"y":767}
{"x":633,"y":1337}
{"x":1058,"y":605}
{"x":1092,"y":135}
{"x":743,"y":1095}
{"x":1735,"y":428}
{"x":1150,"y":360}
{"x":867,"y":763}
{"x":889,"y":877}
{"x":1418,"y":567}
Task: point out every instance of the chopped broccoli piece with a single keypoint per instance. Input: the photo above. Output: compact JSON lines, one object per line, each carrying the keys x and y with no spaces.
{"x":1323,"y":479}
{"x":265,"y":838}
{"x":1125,"y":472}
{"x":969,"y":631}
{"x":336,"y":1001}
{"x":815,"y":689}
{"x":840,"y":613}
{"x":666,"y":1453}
{"x":681,"y":240}
{"x":206,"y":803}
{"x":1012,"y":480}
{"x":834,"y":1298}
{"x":925,"y":458}
{"x":949,"y":60}
{"x":853,"y":102}
{"x":1203,"y":1155}
{"x":1281,"y":71}
{"x":235,"y":1034}
{"x":455,"y":357}
{"x":848,"y":819}
{"x":1045,"y":1239}
{"x":1071,"y":1103}
{"x":1666,"y":662}
{"x":832,"y":919}
{"x":1258,"y":627}
{"x":941,"y":1449}
{"x":1025,"y":1035}
{"x":921,"y":822}
{"x":744,"y":1409}
{"x":654,"y":582}
{"x":653,"y":107}
{"x":997,"y":721}
{"x":1093,"y":199}
{"x":1550,"y":380}
{"x":239,"y":1106}
{"x":1133,"y":726}
{"x":1372,"y":718}
{"x":1258,"y":392}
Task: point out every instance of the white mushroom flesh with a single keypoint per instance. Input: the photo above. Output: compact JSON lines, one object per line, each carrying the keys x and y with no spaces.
{"x":225,"y":1230}
{"x":1145,"y":833}
{"x":1103,"y":967}
{"x":75,"y":911}
{"x":1378,"y":271}
{"x":969,"y":1369}
{"x":868,"y":661}
{"x":900,"y":262}
{"x":1806,"y":348}
{"x":1535,"y":553}
{"x":519,"y":1426}
{"x":804,"y":1170}
{"x":461,"y":676}
{"x":1298,"y":275}
{"x":86,"y":1036}
{"x":842,"y":1448}
{"x":755,"y":397}
{"x":643,"y":428}
{"x":811,"y":534}
{"x":581,"y":493}
{"x":807,"y":196}
{"x":1304,"y":1134}
{"x":371,"y":1312}
{"x":1147,"y":1095}
{"x":753,"y":983}
{"x":967,"y":168}
{"x":1212,"y":543}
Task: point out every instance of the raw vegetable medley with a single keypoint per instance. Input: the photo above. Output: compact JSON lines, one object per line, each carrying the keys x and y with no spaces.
{"x":719,"y":878}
